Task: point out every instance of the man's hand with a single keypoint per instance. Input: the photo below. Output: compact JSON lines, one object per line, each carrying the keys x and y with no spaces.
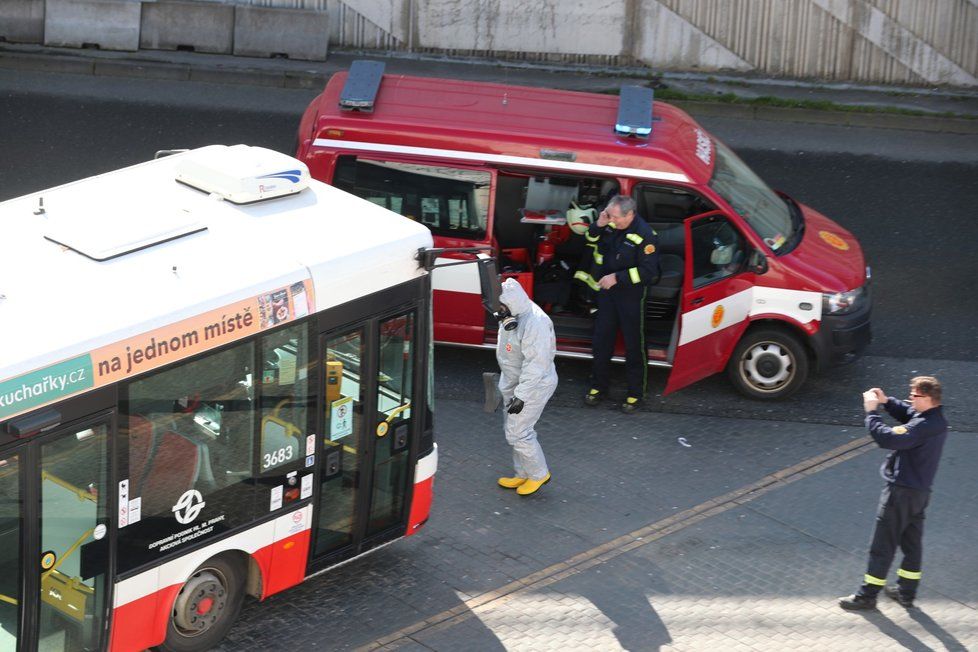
{"x":870,"y":400}
{"x":515,"y":406}
{"x":880,"y":394}
{"x":608,"y":281}
{"x":603,"y":219}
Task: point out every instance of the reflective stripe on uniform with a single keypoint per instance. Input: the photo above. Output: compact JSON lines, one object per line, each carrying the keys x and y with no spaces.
{"x":591,"y":238}
{"x":634,"y":237}
{"x":581,"y":275}
{"x":598,"y":258}
{"x":633,"y":274}
{"x":875,"y":581}
{"x":910,"y":575}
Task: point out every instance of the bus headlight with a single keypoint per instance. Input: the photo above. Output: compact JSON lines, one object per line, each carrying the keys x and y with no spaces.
{"x":840,"y":303}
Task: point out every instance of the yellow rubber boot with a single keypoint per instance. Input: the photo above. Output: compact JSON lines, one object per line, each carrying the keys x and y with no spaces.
{"x":511,"y":483}
{"x":530,"y":486}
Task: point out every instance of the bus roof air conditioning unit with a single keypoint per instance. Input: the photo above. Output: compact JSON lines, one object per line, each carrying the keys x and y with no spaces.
{"x":242,"y":174}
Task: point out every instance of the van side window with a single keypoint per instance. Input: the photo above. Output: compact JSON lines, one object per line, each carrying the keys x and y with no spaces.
{"x":452,"y":202}
{"x":719,"y":250}
{"x":662,"y":206}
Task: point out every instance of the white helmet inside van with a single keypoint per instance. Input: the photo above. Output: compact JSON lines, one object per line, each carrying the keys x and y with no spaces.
{"x":579,"y":218}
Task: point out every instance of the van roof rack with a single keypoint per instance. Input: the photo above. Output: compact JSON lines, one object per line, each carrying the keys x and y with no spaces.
{"x":362,"y":83}
{"x":634,"y":111}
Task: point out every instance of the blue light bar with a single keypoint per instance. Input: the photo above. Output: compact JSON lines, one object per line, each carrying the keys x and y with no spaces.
{"x":634,"y":111}
{"x":362,"y":83}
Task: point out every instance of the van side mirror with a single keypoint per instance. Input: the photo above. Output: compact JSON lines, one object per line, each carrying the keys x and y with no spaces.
{"x":757,"y":262}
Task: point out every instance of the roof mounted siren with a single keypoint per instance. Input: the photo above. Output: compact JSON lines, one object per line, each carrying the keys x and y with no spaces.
{"x":634,"y":111}
{"x":362,"y":83}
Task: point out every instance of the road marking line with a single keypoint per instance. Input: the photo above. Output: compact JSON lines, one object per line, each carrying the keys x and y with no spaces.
{"x":625,"y":543}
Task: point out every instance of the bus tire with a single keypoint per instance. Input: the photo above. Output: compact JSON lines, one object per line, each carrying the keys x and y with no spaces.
{"x":207,"y":605}
{"x":768,"y":364}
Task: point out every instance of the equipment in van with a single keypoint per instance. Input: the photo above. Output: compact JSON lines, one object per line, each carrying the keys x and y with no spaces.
{"x":579,"y":218}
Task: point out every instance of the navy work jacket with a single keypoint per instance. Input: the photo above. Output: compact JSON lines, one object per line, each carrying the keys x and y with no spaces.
{"x":916,"y":445}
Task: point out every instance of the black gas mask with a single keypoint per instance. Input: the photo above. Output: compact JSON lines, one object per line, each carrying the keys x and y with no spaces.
{"x":507,"y":320}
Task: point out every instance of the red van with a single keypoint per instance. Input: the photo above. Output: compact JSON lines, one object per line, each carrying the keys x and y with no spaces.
{"x":752,"y":281}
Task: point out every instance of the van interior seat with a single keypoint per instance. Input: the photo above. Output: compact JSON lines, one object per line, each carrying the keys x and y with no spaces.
{"x":671,"y":247}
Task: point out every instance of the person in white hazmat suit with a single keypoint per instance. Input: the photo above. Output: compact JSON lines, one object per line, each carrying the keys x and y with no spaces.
{"x":527,"y":380}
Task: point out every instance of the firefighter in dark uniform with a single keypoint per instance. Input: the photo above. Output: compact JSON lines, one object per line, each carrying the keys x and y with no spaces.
{"x":909,"y":471}
{"x":626,"y":262}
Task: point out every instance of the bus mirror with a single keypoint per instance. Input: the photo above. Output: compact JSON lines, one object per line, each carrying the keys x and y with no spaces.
{"x":758,"y":262}
{"x":489,"y":283}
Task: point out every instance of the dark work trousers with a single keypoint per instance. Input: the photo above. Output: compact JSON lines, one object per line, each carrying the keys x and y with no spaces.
{"x":899,"y":522}
{"x":620,"y":307}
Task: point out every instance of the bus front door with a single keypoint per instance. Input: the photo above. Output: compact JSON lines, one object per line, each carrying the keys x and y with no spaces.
{"x":55,"y":518}
{"x":365,"y":474}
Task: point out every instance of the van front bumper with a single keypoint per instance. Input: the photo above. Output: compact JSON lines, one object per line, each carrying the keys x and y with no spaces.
{"x":842,"y":338}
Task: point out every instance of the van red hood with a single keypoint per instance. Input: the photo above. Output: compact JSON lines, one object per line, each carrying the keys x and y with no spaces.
{"x":828,"y":257}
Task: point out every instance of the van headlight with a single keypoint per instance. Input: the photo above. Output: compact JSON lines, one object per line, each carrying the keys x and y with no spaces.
{"x":840,"y":303}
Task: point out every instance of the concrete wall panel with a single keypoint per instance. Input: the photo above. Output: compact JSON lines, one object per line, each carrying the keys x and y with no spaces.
{"x":173,"y":25}
{"x":110,"y":24}
{"x":578,"y":27}
{"x":298,"y":34}
{"x":22,"y":21}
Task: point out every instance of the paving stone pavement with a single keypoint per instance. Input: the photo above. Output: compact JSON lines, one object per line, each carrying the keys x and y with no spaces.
{"x":753,"y":571}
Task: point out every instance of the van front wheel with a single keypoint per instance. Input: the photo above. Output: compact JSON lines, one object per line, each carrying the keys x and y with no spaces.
{"x":768,"y":363}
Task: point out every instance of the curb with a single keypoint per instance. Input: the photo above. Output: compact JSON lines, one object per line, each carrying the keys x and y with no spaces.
{"x":879,"y":120}
{"x":106,"y":66}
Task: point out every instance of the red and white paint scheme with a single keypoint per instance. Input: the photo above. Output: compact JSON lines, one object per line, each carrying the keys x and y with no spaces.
{"x":277,"y":551}
{"x":752,"y":281}
{"x":200,"y":330}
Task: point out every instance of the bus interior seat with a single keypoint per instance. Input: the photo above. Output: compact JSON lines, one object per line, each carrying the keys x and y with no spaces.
{"x":142,"y":441}
{"x":173,"y":470}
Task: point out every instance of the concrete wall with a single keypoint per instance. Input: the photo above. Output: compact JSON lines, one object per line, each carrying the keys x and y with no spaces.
{"x":914,"y":42}
{"x":22,"y":21}
{"x":921,"y":42}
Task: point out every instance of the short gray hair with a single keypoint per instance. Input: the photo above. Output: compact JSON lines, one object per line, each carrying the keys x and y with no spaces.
{"x":624,"y":203}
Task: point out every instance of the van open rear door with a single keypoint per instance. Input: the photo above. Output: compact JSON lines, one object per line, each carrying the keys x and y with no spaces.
{"x":716,"y":298}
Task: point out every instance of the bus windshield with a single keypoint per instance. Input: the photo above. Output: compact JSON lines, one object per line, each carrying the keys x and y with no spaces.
{"x":761,"y":208}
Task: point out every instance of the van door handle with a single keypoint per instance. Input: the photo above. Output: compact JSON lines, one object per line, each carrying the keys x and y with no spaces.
{"x":697,"y":301}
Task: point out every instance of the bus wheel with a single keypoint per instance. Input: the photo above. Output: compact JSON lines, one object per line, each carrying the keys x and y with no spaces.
{"x":206,"y":606}
{"x":768,"y":363}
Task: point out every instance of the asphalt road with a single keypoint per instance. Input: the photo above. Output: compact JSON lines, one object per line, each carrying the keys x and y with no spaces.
{"x":908,"y":196}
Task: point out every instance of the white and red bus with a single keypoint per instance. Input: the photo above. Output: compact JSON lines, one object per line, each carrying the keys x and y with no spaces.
{"x":214,"y":382}
{"x":752,"y":281}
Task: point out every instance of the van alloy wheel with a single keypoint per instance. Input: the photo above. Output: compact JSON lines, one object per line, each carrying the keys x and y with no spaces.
{"x":768,"y":363}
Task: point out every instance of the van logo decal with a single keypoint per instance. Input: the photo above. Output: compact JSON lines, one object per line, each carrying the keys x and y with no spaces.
{"x":717,"y":316}
{"x":704,"y":152}
{"x":834,"y":240}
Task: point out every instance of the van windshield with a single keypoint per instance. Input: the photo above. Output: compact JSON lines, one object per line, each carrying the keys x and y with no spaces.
{"x":761,"y":208}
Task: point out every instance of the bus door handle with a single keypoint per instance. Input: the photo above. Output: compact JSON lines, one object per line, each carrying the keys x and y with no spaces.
{"x":697,"y":301}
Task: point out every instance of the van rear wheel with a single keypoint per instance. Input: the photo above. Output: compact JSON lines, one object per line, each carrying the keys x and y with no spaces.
{"x":768,"y":363}
{"x":206,"y":606}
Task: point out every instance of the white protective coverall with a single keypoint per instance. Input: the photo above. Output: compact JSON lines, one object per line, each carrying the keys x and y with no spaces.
{"x":526,"y":365}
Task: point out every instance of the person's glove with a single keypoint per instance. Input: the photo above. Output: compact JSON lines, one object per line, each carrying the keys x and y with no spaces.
{"x":515,"y":406}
